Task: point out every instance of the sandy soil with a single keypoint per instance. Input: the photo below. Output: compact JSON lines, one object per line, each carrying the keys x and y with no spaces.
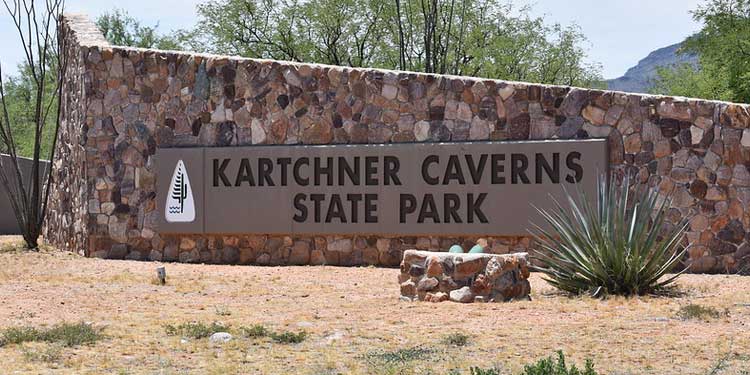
{"x":350,"y":313}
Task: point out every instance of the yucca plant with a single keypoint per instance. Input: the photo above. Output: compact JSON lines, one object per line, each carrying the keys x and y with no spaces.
{"x":619,"y":245}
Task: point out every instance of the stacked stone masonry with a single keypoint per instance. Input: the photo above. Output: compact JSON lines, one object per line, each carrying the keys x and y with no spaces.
{"x":438,"y":276}
{"x":120,"y":104}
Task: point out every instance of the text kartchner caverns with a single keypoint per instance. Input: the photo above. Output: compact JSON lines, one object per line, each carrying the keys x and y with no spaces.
{"x":449,"y":188}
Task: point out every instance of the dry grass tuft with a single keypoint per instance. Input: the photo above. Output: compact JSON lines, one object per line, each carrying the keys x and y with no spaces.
{"x":695,"y":311}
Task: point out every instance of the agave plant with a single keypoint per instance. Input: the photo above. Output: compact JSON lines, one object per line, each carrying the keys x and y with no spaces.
{"x":619,"y":246}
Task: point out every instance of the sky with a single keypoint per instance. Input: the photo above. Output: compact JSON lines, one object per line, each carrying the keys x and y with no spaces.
{"x":619,"y":32}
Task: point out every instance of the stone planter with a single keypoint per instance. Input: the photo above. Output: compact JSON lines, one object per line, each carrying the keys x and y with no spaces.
{"x":436,"y":277}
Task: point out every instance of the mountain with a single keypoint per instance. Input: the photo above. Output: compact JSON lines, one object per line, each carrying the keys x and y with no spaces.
{"x":639,"y":77}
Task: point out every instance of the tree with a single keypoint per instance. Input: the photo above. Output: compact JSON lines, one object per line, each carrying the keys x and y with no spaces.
{"x":120,"y":29}
{"x":688,"y":80}
{"x":464,"y":37}
{"x":20,"y":95}
{"x":40,"y":86}
{"x":723,"y":46}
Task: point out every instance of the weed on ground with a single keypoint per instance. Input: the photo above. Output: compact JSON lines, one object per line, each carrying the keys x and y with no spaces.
{"x":694,"y":311}
{"x":66,"y":334}
{"x":195,"y":330}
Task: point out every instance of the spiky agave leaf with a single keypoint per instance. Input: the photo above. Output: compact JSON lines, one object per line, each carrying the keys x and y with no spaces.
{"x":619,"y":244}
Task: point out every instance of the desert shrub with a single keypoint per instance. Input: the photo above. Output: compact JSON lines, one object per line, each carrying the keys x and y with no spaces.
{"x":620,"y":244}
{"x":66,"y":334}
{"x":259,"y":330}
{"x":17,"y":335}
{"x":288,"y":337}
{"x":399,"y":356}
{"x":548,"y":366}
{"x":255,"y":331}
{"x":47,"y":354}
{"x":11,"y":245}
{"x":196,"y":330}
{"x":456,"y":339}
{"x":482,"y":371}
{"x":693,"y":311}
{"x":222,"y":311}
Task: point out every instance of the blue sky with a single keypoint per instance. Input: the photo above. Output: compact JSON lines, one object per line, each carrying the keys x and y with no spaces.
{"x":620,"y":32}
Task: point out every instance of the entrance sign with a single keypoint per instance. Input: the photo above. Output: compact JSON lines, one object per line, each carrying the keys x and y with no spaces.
{"x":472,"y":188}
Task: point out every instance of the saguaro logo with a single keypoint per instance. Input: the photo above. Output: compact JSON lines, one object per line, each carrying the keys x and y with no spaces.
{"x":180,"y":207}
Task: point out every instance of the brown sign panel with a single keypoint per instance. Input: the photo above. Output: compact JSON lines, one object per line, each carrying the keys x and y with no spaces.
{"x":473,"y":188}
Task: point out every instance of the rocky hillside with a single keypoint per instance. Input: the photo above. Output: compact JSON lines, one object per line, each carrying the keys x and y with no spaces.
{"x":638,"y":78}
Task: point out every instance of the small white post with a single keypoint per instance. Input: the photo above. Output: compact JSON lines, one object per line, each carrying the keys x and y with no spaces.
{"x":161,"y":274}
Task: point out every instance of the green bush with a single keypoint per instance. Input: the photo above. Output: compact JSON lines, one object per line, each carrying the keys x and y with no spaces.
{"x":619,"y":245}
{"x":548,"y":366}
{"x":399,"y":356}
{"x":66,"y":334}
{"x":482,"y":371}
{"x":255,"y":331}
{"x":456,"y":339}
{"x":693,"y":311}
{"x":49,"y":354}
{"x":196,"y":330}
{"x":288,"y":337}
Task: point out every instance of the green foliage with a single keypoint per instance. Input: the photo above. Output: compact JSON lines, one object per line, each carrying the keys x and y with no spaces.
{"x":66,"y":334}
{"x":694,"y":311}
{"x":259,"y":330}
{"x":255,"y":331}
{"x":46,"y":354}
{"x":621,"y":244}
{"x":399,"y":356}
{"x":690,"y":81}
{"x":723,"y":45}
{"x":222,"y":311}
{"x":120,"y":29}
{"x":11,"y":246}
{"x":456,"y":339}
{"x":196,"y":330}
{"x":483,"y":371}
{"x":483,"y":38}
{"x":544,"y":366}
{"x":548,"y":366}
{"x":20,"y":98}
{"x":288,"y":337}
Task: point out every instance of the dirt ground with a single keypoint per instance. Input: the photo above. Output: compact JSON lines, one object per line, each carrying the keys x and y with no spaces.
{"x":351,"y":314}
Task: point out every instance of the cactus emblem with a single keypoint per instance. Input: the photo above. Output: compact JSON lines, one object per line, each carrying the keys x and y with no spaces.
{"x":180,"y":205}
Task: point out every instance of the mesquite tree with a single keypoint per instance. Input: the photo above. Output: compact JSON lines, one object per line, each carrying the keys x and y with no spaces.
{"x":36,"y":23}
{"x":481,"y":38}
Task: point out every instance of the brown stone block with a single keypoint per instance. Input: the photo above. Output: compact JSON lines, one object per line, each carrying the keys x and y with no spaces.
{"x":247,"y":256}
{"x":390,"y":258}
{"x":408,"y":288}
{"x":331,"y":257}
{"x":703,"y":265}
{"x":230,"y":255}
{"x":434,"y":267}
{"x":735,"y":115}
{"x":317,"y":258}
{"x":467,"y":268}
{"x":736,"y":210}
{"x":300,"y":253}
{"x":370,"y":256}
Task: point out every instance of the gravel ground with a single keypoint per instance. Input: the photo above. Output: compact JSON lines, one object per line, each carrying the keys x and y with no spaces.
{"x":351,"y":315}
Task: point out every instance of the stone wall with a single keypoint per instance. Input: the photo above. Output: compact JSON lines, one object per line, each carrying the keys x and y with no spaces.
{"x":123,"y":103}
{"x":438,"y":276}
{"x":67,"y":222}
